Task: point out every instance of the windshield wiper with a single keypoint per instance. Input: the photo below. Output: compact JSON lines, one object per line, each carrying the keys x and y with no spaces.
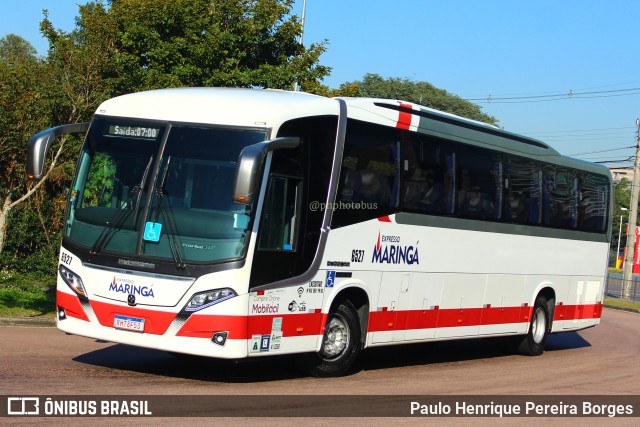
{"x":169,"y":218}
{"x":116,"y":222}
{"x":139,"y":190}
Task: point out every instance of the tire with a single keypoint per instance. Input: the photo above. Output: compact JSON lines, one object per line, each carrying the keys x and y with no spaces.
{"x":533,"y":343}
{"x":341,"y":344}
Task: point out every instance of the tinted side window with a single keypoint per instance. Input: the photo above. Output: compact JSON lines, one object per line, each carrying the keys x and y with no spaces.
{"x":522,"y":187}
{"x":479,"y":174}
{"x":369,"y":178}
{"x":560,"y":191}
{"x":594,"y":202}
{"x":428,"y":175}
{"x":280,"y":220}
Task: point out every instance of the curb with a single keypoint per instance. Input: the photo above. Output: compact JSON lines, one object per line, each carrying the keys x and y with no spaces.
{"x":34,"y":322}
{"x":630,"y":310}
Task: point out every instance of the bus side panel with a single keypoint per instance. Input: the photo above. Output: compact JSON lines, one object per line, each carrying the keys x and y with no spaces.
{"x":502,"y":304}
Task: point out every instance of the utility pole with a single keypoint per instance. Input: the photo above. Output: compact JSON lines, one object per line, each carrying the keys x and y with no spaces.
{"x":296,"y":86}
{"x":633,"y":218}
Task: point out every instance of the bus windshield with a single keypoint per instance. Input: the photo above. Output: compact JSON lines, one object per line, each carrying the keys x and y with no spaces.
{"x":135,"y":195}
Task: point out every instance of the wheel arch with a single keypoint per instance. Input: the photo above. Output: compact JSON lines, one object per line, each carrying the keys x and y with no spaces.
{"x":546,"y":290}
{"x":360,"y":300}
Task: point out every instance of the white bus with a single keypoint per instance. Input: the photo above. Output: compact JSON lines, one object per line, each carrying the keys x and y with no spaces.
{"x":236,"y":223}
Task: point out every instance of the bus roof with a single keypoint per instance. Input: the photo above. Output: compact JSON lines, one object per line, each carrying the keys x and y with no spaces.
{"x":229,"y":106}
{"x":270,"y":108}
{"x":450,"y":126}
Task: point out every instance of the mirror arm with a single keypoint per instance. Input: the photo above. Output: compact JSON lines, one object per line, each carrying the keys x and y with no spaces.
{"x":40,"y":143}
{"x":249,"y":164}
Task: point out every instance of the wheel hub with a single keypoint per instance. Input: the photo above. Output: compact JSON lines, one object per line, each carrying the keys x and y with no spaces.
{"x":336,"y":338}
{"x":539,"y":325}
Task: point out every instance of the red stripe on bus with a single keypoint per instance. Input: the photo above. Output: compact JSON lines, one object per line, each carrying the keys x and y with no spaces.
{"x":385,"y":320}
{"x":404,"y":118}
{"x":578,"y":312}
{"x":155,"y":322}
{"x":305,"y":324}
{"x":445,"y":318}
{"x":204,"y":325}
{"x":71,"y":305}
{"x":385,"y":218}
{"x":243,"y":327}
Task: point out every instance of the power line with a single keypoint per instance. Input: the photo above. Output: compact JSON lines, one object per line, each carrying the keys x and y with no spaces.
{"x":600,"y":158}
{"x":557,"y":96}
{"x":552,"y":92}
{"x":598,"y":138}
{"x":579,"y":130}
{"x":603,"y":151}
{"x":625,"y":134}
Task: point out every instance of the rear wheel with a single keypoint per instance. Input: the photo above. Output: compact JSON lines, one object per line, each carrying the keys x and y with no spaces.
{"x":340,"y":346}
{"x":533,"y":343}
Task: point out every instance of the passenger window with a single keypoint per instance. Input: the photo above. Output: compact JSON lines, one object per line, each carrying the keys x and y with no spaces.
{"x":369,"y":178}
{"x":560,"y":208}
{"x":281,"y":216}
{"x":428,"y":184}
{"x":594,"y":202}
{"x":522,"y":191}
{"x":479,"y":177}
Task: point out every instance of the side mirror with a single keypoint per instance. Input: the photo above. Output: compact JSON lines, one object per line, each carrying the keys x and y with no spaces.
{"x":249,"y":165}
{"x":39,"y":145}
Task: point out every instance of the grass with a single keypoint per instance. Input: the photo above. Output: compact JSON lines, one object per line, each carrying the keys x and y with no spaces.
{"x":617,"y":303}
{"x":26,"y":296}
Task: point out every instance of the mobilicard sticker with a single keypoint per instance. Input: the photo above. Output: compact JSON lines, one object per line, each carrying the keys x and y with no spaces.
{"x":265,"y":304}
{"x":265,"y":308}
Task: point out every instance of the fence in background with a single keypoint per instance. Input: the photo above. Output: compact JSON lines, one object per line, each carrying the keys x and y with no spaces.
{"x":614,"y":287}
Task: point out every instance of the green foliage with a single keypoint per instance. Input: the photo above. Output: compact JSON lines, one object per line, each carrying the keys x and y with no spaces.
{"x":147,"y":44}
{"x":15,"y":49}
{"x":26,"y":295}
{"x":122,"y":46}
{"x":622,"y":199}
{"x":422,"y":93}
{"x":22,"y":109}
{"x":31,"y":248}
{"x":99,"y":185}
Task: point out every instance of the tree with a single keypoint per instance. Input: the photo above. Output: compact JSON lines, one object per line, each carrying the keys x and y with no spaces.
{"x":422,"y":93}
{"x":125,"y":46}
{"x":622,"y":199}
{"x":65,"y":88}
{"x":23,"y":112}
{"x":242,"y":43}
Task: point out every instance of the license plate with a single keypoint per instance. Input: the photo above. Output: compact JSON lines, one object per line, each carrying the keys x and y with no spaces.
{"x":128,"y":323}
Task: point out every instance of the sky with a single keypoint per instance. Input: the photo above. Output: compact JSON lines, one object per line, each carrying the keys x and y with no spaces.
{"x":534,"y":52}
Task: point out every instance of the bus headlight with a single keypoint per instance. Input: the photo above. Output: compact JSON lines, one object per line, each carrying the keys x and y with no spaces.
{"x":208,"y":298}
{"x":73,"y":280}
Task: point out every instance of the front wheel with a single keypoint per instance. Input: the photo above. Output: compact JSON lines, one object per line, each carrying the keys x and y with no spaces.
{"x":533,"y":343}
{"x":341,"y":344}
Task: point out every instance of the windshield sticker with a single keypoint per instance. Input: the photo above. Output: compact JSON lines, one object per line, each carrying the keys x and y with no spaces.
{"x":152,"y":231}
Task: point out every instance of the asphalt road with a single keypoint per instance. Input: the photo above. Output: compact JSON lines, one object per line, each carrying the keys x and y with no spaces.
{"x":597,"y":361}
